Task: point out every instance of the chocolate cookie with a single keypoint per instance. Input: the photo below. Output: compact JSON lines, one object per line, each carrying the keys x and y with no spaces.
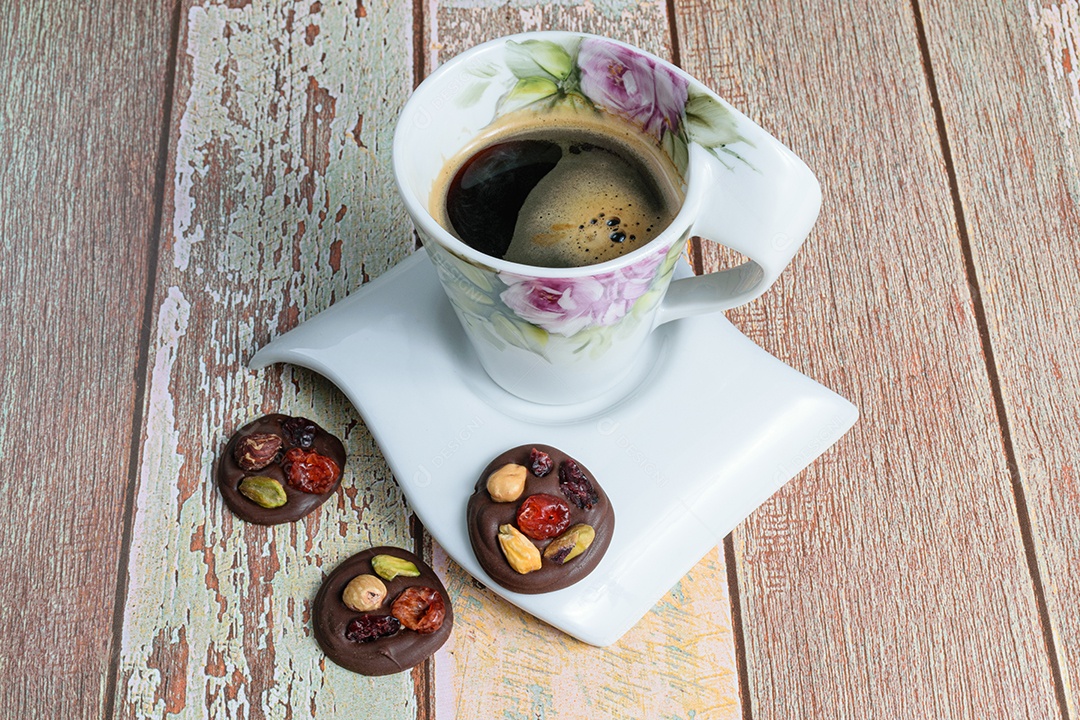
{"x":559,"y":509}
{"x":278,"y":469}
{"x":379,"y":641}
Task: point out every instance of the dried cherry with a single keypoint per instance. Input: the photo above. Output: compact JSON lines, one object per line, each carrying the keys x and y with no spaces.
{"x":543,"y":516}
{"x":371,"y":627}
{"x":310,"y":472}
{"x":420,"y":608}
{"x":540,"y":462}
{"x":300,"y":432}
{"x":575,"y":486}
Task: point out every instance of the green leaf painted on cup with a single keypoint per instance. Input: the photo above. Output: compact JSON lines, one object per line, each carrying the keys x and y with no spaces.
{"x":472,"y":94}
{"x":483,"y":329}
{"x":644,"y":304}
{"x":522,"y":64}
{"x":527,"y":91}
{"x":520,"y":334}
{"x":459,"y":270}
{"x":469,"y":301}
{"x":709,"y":123}
{"x":674,"y":144}
{"x":537,"y":58}
{"x":551,"y":57}
{"x":671,"y":259}
{"x":483,"y":69}
{"x":476,"y":276}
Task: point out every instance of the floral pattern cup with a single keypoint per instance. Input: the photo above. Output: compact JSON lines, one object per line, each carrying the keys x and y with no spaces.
{"x":565,"y":335}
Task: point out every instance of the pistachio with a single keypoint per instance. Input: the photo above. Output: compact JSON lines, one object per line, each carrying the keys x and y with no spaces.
{"x":570,"y":544}
{"x":522,"y":555}
{"x":263,"y":491}
{"x":364,"y":593}
{"x":389,"y":567}
{"x":507,"y":483}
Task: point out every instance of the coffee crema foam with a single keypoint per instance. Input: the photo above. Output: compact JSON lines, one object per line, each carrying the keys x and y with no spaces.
{"x":559,"y":189}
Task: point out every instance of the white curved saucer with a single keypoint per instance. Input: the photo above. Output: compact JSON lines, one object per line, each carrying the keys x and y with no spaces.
{"x":708,"y":426}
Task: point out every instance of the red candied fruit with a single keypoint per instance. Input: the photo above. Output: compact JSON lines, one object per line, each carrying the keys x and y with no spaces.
{"x":310,"y":472}
{"x":540,"y":462}
{"x":543,"y":516}
{"x":420,"y":608}
{"x":371,"y":627}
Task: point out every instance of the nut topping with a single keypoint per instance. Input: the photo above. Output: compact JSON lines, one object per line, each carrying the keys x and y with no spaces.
{"x":507,"y":483}
{"x":570,"y":544}
{"x":364,"y":593}
{"x":389,"y":567}
{"x":263,"y":491}
{"x":522,"y":555}
{"x":256,"y":451}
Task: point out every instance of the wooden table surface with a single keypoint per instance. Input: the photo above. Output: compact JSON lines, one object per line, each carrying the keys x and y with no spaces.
{"x":182,"y":181}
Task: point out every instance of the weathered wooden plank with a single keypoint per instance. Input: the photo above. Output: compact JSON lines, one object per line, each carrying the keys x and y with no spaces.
{"x":280,"y":200}
{"x":1009,"y":81}
{"x":890,"y":579}
{"x":679,"y":661}
{"x":80,"y":119}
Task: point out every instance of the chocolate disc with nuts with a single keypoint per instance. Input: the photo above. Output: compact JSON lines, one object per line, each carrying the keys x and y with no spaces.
{"x":538,"y":520}
{"x":382,"y":611}
{"x":278,"y":469}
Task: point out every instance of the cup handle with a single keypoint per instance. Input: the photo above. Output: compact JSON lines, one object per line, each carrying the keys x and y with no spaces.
{"x":763,"y":213}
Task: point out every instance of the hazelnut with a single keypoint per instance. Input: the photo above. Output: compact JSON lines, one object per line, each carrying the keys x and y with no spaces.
{"x":507,"y":483}
{"x":257,"y":450}
{"x":364,"y":593}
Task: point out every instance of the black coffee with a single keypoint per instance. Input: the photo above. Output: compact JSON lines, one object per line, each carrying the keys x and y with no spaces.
{"x":557,"y":195}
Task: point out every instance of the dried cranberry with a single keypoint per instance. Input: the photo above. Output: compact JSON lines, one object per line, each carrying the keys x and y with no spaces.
{"x":543,"y":516}
{"x":420,"y":608}
{"x":541,"y":462}
{"x":310,"y":472}
{"x":575,"y":486}
{"x":371,"y":627}
{"x":300,"y":432}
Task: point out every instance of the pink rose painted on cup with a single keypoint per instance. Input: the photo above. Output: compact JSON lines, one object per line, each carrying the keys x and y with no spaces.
{"x":566,"y":306}
{"x":630,"y":85}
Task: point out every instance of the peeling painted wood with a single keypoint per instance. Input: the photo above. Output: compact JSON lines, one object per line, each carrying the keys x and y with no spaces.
{"x":1057,"y":32}
{"x":1015,"y":134}
{"x":79,"y":126}
{"x":889,"y":580}
{"x":280,"y":201}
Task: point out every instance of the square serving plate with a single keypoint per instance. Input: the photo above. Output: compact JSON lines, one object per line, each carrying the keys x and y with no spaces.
{"x":707,"y":427}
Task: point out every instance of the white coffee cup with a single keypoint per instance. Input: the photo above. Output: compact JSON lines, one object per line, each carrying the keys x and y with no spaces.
{"x":565,"y":335}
